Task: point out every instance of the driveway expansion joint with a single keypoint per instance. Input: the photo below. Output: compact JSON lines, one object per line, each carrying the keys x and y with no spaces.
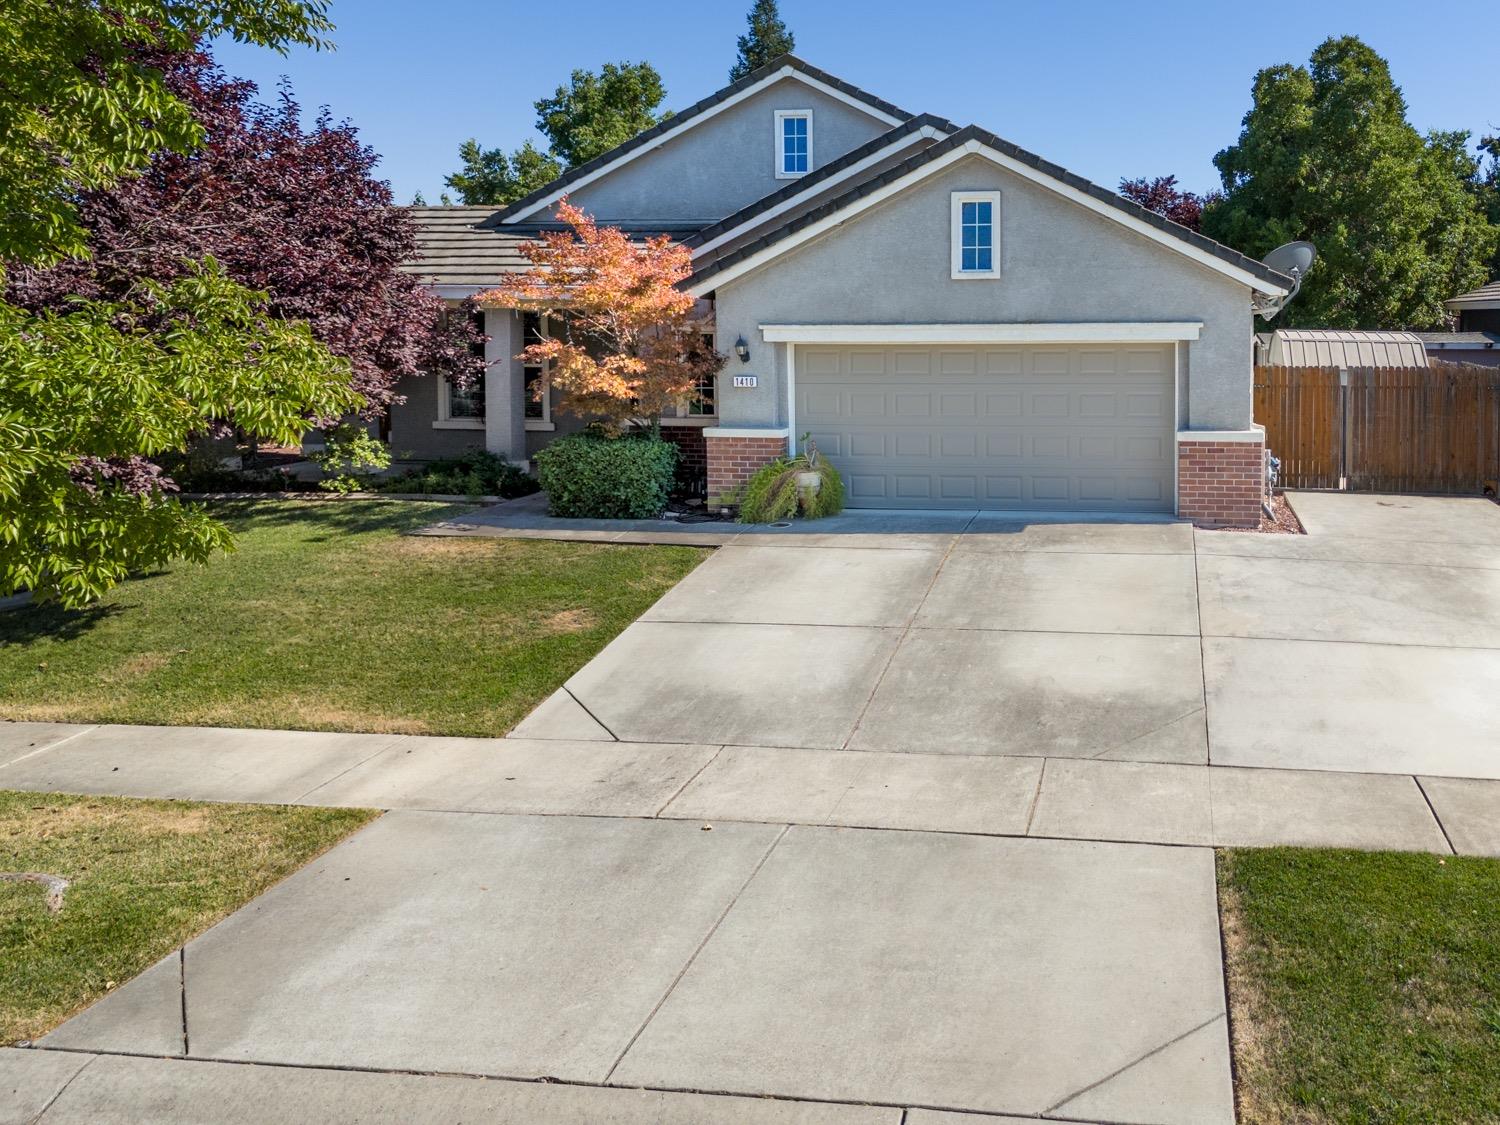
{"x":1443,"y":828}
{"x":1112,"y":1075}
{"x":713,"y":929}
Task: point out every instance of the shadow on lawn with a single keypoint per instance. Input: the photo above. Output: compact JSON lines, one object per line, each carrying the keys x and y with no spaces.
{"x":35,"y":622}
{"x":326,"y":519}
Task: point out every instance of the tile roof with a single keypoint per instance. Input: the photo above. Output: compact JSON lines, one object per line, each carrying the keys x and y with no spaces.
{"x":1460,"y":339}
{"x":1485,"y":296}
{"x":573,"y":175}
{"x":880,"y":178}
{"x":455,"y":246}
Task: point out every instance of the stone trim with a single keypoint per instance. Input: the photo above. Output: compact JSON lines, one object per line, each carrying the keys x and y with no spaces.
{"x":1221,"y":483}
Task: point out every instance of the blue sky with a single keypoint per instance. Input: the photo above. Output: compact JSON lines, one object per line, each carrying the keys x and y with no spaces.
{"x":1105,"y":89}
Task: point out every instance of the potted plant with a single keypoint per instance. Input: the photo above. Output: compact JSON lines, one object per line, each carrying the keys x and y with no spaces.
{"x":805,"y":485}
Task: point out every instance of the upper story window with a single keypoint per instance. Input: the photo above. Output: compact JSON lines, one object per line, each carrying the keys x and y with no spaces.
{"x":793,"y":143}
{"x":976,"y":233}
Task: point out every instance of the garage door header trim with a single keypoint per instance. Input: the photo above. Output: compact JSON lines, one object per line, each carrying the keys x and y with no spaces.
{"x":1135,"y":332}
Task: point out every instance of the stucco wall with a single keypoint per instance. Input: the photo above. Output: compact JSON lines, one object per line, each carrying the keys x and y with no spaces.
{"x":726,"y":162}
{"x":412,"y":434}
{"x":1059,"y":262}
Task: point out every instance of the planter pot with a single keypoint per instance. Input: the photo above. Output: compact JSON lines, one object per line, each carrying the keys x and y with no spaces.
{"x":810,"y":481}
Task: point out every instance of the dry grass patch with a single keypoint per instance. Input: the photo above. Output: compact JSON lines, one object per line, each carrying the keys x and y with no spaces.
{"x":144,"y":877}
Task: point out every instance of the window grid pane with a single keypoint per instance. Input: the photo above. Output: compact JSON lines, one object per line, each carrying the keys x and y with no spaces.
{"x":794,"y":144}
{"x":976,"y":232}
{"x":531,"y":333}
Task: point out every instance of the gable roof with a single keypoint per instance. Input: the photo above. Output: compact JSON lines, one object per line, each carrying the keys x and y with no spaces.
{"x":738,"y":259}
{"x":783,"y":67}
{"x":926,"y":123}
{"x":1485,"y":297}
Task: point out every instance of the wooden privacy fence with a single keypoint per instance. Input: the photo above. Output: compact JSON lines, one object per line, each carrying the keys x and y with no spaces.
{"x":1383,"y":429}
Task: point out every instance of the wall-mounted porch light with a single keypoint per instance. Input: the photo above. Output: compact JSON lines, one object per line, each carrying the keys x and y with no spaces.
{"x":742,"y":350}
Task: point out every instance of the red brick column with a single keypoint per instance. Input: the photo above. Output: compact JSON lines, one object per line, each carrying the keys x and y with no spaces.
{"x":732,"y":460}
{"x":1221,"y":483}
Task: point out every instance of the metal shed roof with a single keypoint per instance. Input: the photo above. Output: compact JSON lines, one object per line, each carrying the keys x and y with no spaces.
{"x":1336,"y":347}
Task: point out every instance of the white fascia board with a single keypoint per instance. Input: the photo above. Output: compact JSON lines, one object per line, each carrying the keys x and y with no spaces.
{"x":459,"y":292}
{"x":1026,"y":172}
{"x":698,"y":119}
{"x":1098,"y":332}
{"x":927,"y":132}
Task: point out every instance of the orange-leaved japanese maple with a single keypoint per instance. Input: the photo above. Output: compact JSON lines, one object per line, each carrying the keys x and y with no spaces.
{"x":631,"y":344}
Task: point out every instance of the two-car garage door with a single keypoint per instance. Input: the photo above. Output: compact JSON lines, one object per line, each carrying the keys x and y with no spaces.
{"x":1038,"y":427}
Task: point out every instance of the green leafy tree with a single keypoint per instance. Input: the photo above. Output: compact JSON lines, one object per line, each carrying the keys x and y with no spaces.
{"x":1488,"y":188}
{"x":88,"y":395}
{"x":78,"y":109}
{"x":1326,"y":154}
{"x":489,"y":176}
{"x":767,"y":39}
{"x":91,"y":391}
{"x":596,"y":112}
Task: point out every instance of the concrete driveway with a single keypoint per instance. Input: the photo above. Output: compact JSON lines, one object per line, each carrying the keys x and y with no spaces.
{"x":816,"y":841}
{"x":1372,"y":644}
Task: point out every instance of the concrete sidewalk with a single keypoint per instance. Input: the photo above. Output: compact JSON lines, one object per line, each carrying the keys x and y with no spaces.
{"x":1058,"y":798}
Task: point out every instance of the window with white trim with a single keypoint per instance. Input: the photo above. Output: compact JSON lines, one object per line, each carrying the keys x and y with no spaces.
{"x":793,"y":143}
{"x":538,"y":411}
{"x":976,"y":233}
{"x":462,"y":408}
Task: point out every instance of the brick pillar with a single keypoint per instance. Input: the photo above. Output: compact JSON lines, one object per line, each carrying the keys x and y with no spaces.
{"x":1221,"y":483}
{"x":692,"y":457}
{"x":732,"y":460}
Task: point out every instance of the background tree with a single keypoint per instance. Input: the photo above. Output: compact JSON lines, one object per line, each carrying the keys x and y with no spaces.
{"x":633,"y":347}
{"x":767,"y":39}
{"x":488,"y":176}
{"x":296,"y":213}
{"x":88,"y":394}
{"x":1488,"y":188}
{"x":596,"y":112}
{"x":1163,"y":196}
{"x":1326,"y":154}
{"x":78,"y":109}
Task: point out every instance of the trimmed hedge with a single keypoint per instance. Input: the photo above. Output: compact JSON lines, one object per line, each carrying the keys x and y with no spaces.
{"x":594,"y":477}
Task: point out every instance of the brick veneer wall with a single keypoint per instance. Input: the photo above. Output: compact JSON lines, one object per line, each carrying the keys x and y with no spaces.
{"x":732,"y":460}
{"x":692,"y":457}
{"x":1220,"y":483}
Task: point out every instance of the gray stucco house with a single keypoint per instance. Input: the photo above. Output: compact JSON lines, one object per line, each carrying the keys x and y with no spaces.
{"x":957,"y":322}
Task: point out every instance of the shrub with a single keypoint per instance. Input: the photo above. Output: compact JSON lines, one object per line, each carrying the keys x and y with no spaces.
{"x":349,"y":455}
{"x":774,"y":493}
{"x":476,"y":473}
{"x":593,"y":476}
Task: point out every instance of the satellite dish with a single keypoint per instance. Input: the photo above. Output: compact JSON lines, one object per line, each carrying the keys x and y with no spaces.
{"x":1294,"y":259}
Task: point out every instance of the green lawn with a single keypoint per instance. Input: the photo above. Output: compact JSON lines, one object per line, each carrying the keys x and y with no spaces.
{"x":146,"y":876}
{"x":1365,"y":987}
{"x":327,"y":618}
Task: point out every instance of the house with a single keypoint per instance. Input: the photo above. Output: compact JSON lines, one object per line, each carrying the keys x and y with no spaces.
{"x":957,"y":322}
{"x":1477,"y":339}
{"x":1338,"y":347}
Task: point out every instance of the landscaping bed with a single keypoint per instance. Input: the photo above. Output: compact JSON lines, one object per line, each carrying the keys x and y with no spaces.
{"x":1364,"y":987}
{"x":143,"y":878}
{"x":327,"y":617}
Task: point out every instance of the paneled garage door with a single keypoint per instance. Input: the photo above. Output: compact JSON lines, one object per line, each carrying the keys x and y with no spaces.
{"x":1067,"y":427}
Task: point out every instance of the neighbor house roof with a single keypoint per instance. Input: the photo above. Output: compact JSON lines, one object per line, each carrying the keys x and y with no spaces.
{"x":775,"y":70}
{"x":457,"y":251}
{"x":1466,"y":340}
{"x":1485,"y":297}
{"x":1336,"y":347}
{"x":974,"y":139}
